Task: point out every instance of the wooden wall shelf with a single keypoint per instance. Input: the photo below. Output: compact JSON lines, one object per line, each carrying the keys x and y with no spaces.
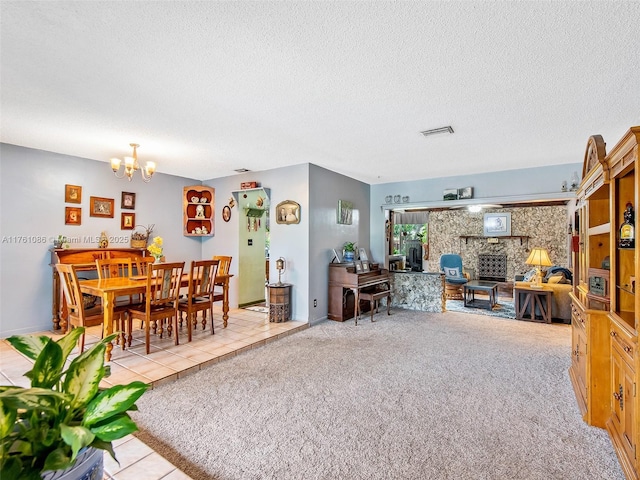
{"x":522,"y":238}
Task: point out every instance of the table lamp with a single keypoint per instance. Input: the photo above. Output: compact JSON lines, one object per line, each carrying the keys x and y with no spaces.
{"x":539,"y":257}
{"x":281,"y":266}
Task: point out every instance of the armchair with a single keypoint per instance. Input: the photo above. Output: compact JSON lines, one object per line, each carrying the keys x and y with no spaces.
{"x":454,"y":275}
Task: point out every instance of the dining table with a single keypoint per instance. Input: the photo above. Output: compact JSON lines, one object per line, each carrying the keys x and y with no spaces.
{"x":108,"y":289}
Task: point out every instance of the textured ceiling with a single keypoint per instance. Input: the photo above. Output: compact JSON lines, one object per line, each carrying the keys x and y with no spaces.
{"x":209,"y":87}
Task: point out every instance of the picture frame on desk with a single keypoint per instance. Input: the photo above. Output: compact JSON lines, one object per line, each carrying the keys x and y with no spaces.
{"x":358,"y":265}
{"x":335,"y":258}
{"x":365,"y":266}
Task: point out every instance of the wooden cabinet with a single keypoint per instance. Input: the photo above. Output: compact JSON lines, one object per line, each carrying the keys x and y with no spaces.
{"x":622,"y":162}
{"x":198,"y":209}
{"x":605,"y":364}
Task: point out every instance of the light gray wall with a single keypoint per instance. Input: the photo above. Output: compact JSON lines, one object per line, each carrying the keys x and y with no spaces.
{"x":507,"y":183}
{"x":288,"y":241}
{"x":325,"y":189}
{"x":32,"y":187}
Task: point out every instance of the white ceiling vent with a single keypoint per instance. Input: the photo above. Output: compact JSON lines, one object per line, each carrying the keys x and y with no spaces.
{"x":435,"y":131}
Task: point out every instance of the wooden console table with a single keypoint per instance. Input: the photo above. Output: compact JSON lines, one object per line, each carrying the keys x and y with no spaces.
{"x":532,"y":298}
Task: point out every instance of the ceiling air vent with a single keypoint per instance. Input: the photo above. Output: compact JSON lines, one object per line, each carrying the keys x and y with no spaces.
{"x":242,"y":170}
{"x":435,"y":131}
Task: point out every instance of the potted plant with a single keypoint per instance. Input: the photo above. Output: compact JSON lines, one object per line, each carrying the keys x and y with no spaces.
{"x":348,"y":251}
{"x":65,"y":420}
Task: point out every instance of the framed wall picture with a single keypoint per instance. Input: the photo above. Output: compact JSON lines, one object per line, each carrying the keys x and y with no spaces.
{"x":101,"y":207}
{"x":497,"y":225}
{"x":466,"y":192}
{"x":128,"y":201}
{"x":72,"y":216}
{"x":127,"y":221}
{"x":345,"y":212}
{"x":450,"y":194}
{"x":288,"y":212}
{"x":73,"y":194}
{"x":226,"y":213}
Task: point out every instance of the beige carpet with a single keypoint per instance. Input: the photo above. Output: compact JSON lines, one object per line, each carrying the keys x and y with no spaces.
{"x":410,"y":396}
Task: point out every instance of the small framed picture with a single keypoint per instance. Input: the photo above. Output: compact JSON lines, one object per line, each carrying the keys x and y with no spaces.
{"x":466,"y":192}
{"x":497,"y":224}
{"x":362,"y":252}
{"x":365,"y":266}
{"x":127,"y":221}
{"x":450,"y":194}
{"x":128,"y":201}
{"x":345,"y":212}
{"x":335,"y":258}
{"x":73,"y":194}
{"x":101,"y":207}
{"x":226,"y":213}
{"x":358,"y":265}
{"x":72,"y":216}
{"x":288,"y":212}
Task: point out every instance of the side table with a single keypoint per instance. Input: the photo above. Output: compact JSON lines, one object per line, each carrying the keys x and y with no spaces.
{"x":279,"y":302}
{"x":532,"y":298}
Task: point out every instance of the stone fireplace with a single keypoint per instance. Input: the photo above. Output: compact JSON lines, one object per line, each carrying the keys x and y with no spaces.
{"x":492,"y":267}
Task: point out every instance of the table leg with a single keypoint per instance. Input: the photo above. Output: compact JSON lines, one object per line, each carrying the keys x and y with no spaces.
{"x":107,"y":323}
{"x":225,"y":303}
{"x":356,"y":297}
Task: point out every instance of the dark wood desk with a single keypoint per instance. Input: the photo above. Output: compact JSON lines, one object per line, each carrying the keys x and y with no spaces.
{"x":343,"y":280}
{"x":528,"y":297}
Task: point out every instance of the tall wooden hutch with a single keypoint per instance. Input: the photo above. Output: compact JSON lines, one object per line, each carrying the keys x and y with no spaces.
{"x":605,"y":362}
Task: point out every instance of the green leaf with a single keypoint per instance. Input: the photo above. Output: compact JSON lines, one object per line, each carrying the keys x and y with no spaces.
{"x":57,"y":460}
{"x":11,"y":469}
{"x":112,"y":401}
{"x":7,"y":419}
{"x":83,"y":377}
{"x":29,"y":345}
{"x":119,"y":427}
{"x":69,"y":341}
{"x":32,"y":399}
{"x":107,"y":446}
{"x":48,"y":366}
{"x":76,"y":437}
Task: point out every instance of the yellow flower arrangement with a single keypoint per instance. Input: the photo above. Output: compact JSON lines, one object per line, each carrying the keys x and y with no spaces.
{"x":155,"y":249}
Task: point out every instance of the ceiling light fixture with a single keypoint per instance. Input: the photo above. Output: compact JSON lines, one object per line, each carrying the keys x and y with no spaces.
{"x":435,"y":131}
{"x":131,"y":166}
{"x":242,"y":170}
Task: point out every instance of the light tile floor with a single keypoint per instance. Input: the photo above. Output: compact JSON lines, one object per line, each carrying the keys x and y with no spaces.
{"x":246,"y":329}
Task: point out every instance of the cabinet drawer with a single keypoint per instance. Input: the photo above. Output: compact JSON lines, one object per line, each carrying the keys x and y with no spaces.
{"x":625,"y":344}
{"x":578,"y":317}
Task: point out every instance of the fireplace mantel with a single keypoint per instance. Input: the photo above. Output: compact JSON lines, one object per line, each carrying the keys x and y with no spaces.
{"x":523,"y":238}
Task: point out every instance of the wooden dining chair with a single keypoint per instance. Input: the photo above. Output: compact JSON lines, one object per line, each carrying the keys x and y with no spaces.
{"x":140,"y":264}
{"x":114,"y":268}
{"x":202,"y":276}
{"x":161,"y":299}
{"x":224,"y":265}
{"x":78,"y":314}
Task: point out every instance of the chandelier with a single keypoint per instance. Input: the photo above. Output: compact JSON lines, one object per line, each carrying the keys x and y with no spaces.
{"x":131,"y":166}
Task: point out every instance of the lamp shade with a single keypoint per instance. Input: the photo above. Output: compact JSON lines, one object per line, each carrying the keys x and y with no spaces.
{"x":540,"y":257}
